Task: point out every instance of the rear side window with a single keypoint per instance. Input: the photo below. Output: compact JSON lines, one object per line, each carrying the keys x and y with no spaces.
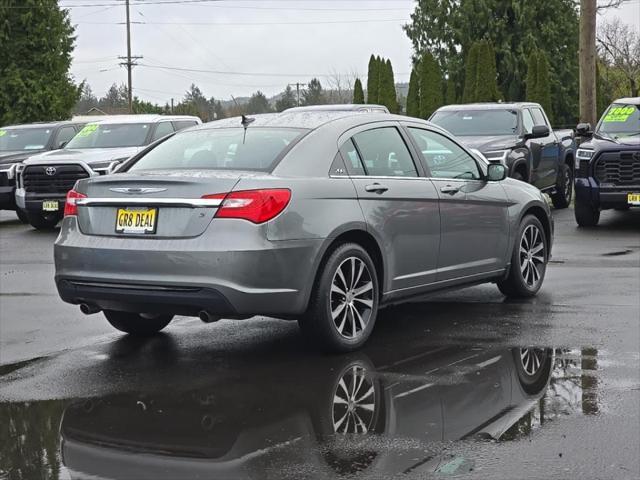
{"x":220,"y":149}
{"x":384,"y":153}
{"x":182,"y":124}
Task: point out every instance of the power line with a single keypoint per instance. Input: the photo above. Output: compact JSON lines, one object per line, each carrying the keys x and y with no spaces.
{"x":219,"y":24}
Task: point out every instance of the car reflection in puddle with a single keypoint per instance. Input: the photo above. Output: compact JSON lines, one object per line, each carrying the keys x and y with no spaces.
{"x":332,"y":416}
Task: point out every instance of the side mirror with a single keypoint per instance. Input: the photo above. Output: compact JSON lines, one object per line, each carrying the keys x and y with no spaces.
{"x":496,"y":172}
{"x":584,"y":129}
{"x":539,"y":131}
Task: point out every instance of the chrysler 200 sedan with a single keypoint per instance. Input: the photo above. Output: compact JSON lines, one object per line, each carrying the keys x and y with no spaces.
{"x":323,"y":217}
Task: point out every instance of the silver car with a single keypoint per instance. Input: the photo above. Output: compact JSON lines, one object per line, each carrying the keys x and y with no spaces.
{"x":323,"y":217}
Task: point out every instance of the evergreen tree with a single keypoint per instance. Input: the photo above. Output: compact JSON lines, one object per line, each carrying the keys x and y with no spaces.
{"x":358,"y":93}
{"x":387,"y":88}
{"x":373,"y":80}
{"x":532,"y":76}
{"x":37,"y":40}
{"x":287,"y":100}
{"x":258,"y":103}
{"x":451,"y":97}
{"x":431,"y":97}
{"x":413,"y":95}
{"x":543,"y":86}
{"x":471,"y":73}
{"x":486,"y":87}
{"x":314,"y":94}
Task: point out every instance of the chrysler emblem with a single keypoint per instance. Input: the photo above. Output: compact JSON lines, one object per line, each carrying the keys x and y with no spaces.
{"x":51,"y":171}
{"x":132,"y":191}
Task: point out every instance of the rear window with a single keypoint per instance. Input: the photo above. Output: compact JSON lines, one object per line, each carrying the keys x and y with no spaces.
{"x":95,"y":135}
{"x":220,"y":149}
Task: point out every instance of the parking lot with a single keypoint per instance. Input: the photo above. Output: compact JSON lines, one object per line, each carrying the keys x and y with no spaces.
{"x":246,"y":398}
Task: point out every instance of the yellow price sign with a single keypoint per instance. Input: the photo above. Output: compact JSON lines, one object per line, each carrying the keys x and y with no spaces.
{"x":619,"y":114}
{"x":88,"y":130}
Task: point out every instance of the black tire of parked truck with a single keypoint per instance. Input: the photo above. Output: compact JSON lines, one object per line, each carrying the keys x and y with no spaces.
{"x":561,"y":198}
{"x":137,"y":324}
{"x":43,"y":221}
{"x":586,"y":214}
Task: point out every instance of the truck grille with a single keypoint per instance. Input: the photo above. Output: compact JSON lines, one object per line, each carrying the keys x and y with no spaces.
{"x":36,"y":179}
{"x":618,"y":168}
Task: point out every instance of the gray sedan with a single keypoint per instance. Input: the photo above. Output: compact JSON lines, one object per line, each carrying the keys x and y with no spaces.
{"x":323,"y":217}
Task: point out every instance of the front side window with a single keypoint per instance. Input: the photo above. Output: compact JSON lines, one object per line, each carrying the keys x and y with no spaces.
{"x":384,"y":153}
{"x":538,"y":117}
{"x":351,"y":158}
{"x":162,"y":130}
{"x":477,"y":122}
{"x":108,"y":135}
{"x":64,"y":135}
{"x":444,"y":158}
{"x":181,"y":124}
{"x":527,"y":121}
{"x":620,"y":120}
{"x":15,"y":139}
{"x":220,"y":149}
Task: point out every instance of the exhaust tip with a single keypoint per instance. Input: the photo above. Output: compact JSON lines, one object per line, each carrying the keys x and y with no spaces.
{"x":207,"y":317}
{"x":89,"y":309}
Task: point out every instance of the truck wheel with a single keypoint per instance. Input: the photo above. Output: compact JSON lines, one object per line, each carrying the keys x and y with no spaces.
{"x":137,"y":324}
{"x":528,"y":261}
{"x":43,"y":221}
{"x":561,"y":198}
{"x":586,"y":215}
{"x":22,"y":215}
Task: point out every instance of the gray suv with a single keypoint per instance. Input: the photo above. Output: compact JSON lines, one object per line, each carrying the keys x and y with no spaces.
{"x":321,"y":217}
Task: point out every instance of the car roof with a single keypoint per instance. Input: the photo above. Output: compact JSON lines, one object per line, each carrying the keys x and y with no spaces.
{"x":43,"y":124}
{"x":142,"y":118}
{"x":341,"y":107}
{"x":309,"y":120}
{"x":628,"y":100}
{"x":487,"y":106}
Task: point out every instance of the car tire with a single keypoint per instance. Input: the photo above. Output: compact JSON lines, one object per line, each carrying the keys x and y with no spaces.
{"x":22,"y":215}
{"x":343,"y":306}
{"x":533,"y":366}
{"x":561,"y":198}
{"x":528,"y":260}
{"x":46,"y":221}
{"x":137,"y":324}
{"x":586,"y":215}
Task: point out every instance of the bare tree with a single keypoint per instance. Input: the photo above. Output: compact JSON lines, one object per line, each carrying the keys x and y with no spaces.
{"x":340,"y":87}
{"x":620,"y":47}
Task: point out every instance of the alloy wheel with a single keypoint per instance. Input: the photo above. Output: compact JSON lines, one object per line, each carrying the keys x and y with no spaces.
{"x":568,"y":186}
{"x":351,"y":298}
{"x":532,"y":359}
{"x":354,"y":402}
{"x":532,"y":255}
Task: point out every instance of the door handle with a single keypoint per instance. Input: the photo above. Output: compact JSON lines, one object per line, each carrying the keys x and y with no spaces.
{"x":376,"y":187}
{"x":450,"y":189}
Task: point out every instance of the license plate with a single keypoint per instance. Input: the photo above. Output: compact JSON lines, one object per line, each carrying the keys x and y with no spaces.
{"x":136,"y":220}
{"x":50,"y":206}
{"x":633,"y":198}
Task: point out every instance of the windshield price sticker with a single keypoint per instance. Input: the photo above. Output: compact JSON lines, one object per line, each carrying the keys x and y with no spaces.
{"x":619,"y":114}
{"x":88,"y":130}
{"x":3,"y":133}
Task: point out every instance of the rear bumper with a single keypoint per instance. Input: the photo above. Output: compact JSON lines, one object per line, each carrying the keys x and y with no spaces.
{"x":228,"y":275}
{"x":588,"y":191}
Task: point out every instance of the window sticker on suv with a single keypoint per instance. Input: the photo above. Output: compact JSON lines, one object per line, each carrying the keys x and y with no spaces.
{"x":88,"y":130}
{"x":619,"y":114}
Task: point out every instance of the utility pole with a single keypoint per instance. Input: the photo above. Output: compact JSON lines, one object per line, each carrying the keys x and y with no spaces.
{"x":298,"y":85}
{"x":129,"y":60}
{"x":587,"y":61}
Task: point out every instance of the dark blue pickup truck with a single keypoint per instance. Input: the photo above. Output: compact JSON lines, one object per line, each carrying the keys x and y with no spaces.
{"x":608,"y":162}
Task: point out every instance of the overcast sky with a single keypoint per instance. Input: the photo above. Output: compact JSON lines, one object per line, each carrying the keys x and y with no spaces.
{"x":254,"y":45}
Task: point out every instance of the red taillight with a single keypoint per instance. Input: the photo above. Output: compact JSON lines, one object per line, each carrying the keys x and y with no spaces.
{"x":257,"y":206}
{"x":70,"y":207}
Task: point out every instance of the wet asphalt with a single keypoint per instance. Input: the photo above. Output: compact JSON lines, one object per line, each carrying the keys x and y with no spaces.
{"x":438,"y":392}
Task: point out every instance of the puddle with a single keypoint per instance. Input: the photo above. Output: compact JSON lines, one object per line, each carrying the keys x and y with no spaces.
{"x":381,"y":416}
